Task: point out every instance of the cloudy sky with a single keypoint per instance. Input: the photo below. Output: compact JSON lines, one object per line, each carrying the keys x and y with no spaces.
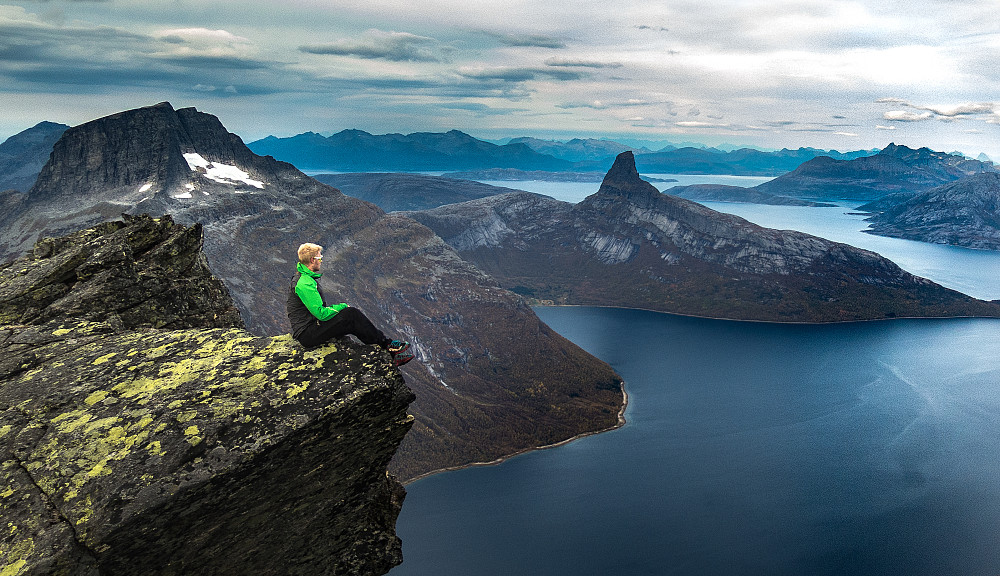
{"x":773,"y":73}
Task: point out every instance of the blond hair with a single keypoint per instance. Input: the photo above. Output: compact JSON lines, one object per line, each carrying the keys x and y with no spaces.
{"x":307,"y":251}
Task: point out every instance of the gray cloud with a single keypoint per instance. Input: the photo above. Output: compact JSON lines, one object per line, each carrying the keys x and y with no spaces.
{"x":604,"y":104}
{"x":393,"y":46}
{"x":479,"y":108}
{"x":520,"y":74}
{"x":526,"y":40}
{"x":38,"y":56}
{"x":569,"y":63}
{"x":919,"y":113}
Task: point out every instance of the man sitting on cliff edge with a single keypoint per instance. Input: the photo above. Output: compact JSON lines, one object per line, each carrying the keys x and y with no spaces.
{"x":314,"y":323}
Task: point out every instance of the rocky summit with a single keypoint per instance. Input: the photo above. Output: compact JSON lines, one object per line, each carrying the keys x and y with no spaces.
{"x":491,"y":379}
{"x":630,"y":245}
{"x":143,"y":431}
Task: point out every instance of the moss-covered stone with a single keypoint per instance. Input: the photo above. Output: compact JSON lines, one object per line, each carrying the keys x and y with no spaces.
{"x":204,"y":450}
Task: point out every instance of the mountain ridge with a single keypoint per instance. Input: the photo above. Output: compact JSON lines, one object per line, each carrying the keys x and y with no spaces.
{"x":360,"y":151}
{"x":894,"y":169}
{"x":960,"y":213}
{"x":628,"y":245}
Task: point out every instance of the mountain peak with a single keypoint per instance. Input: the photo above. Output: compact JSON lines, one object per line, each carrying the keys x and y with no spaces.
{"x":137,"y":154}
{"x":623,"y":180}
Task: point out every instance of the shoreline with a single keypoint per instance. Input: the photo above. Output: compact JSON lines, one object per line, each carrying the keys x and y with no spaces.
{"x":786,"y":322}
{"x":621,"y":422}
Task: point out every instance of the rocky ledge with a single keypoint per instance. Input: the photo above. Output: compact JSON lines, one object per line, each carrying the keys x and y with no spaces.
{"x":129,"y":447}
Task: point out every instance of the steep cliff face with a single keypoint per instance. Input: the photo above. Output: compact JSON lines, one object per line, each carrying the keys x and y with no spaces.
{"x":629,"y":245}
{"x":489,"y":373}
{"x":155,"y":436}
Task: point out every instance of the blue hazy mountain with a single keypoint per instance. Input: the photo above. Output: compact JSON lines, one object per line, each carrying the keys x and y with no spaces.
{"x":359,"y":151}
{"x":23,"y":155}
{"x":578,"y":149}
{"x":743,"y":162}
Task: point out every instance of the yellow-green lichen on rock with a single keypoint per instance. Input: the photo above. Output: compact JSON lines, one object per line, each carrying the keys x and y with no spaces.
{"x":199,"y":450}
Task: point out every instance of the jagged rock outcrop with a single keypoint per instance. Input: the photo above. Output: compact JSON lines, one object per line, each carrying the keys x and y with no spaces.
{"x":629,"y":245}
{"x":963,"y":213}
{"x":131,"y":273}
{"x":23,"y":155}
{"x":131,"y":449}
{"x":491,"y":378}
{"x":895,"y":169}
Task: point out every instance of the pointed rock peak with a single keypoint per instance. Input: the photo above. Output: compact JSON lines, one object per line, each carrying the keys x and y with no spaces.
{"x":623,"y":180}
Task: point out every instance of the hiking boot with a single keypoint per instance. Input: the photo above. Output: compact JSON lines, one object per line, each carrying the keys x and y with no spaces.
{"x":398,"y":346}
{"x":403,"y":357}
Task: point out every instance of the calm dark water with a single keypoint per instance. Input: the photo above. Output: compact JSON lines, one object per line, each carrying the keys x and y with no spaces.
{"x":750,"y":448}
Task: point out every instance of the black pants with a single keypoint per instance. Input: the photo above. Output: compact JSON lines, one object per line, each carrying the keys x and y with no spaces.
{"x":348,"y":321}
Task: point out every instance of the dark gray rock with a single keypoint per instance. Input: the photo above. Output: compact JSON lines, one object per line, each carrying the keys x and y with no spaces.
{"x":896,"y":169}
{"x":629,"y":245}
{"x":128,"y":449}
{"x":963,"y":213}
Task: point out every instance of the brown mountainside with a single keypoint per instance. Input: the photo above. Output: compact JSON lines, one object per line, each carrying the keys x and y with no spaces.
{"x":491,"y":379}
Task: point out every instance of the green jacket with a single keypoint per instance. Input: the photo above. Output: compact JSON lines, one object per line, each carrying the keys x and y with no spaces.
{"x":308,"y":291}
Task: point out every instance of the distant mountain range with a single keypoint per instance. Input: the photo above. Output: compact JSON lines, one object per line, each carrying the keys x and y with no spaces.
{"x":578,"y":149}
{"x":359,"y":151}
{"x":742,"y":162}
{"x":23,"y":155}
{"x":630,"y":245}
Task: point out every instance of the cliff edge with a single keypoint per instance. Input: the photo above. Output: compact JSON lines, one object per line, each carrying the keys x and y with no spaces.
{"x":144,"y":431}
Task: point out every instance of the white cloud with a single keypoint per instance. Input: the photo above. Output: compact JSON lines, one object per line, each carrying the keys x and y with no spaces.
{"x":907,"y":116}
{"x":697,"y":124}
{"x":378,"y":44}
{"x":772,"y":67}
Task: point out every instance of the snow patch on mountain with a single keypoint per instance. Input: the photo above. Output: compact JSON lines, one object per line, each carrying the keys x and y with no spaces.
{"x":223,"y":173}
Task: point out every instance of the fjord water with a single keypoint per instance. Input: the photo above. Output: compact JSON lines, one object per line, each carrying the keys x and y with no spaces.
{"x":753,"y":448}
{"x":750,"y":448}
